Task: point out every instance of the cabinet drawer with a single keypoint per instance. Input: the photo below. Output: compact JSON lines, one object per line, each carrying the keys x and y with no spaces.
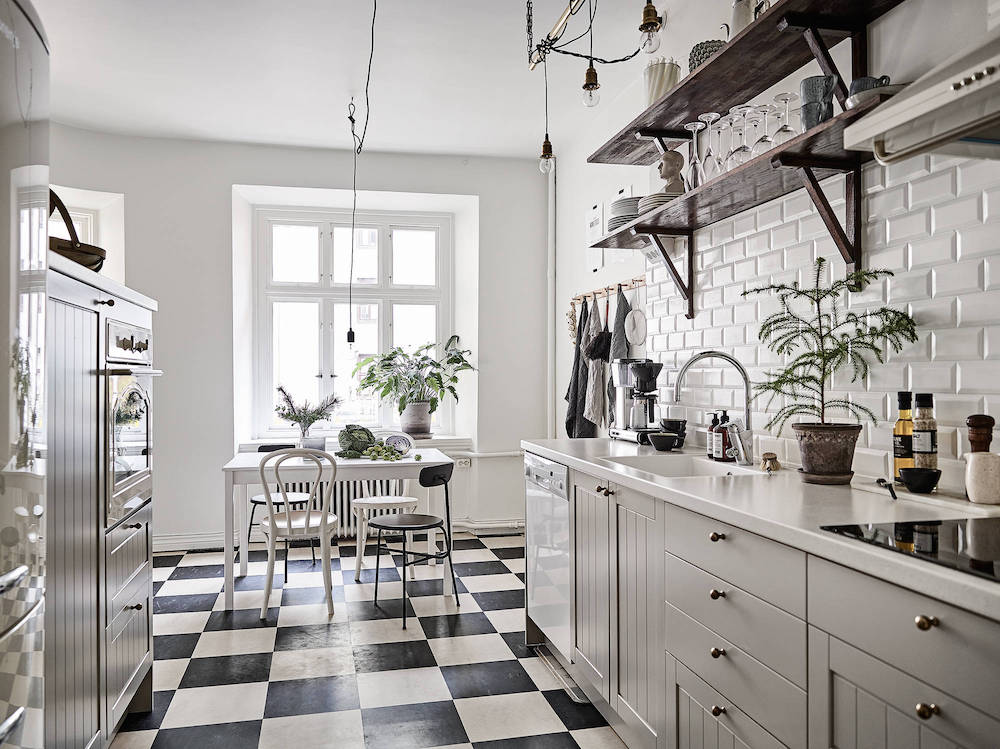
{"x":766,"y":696}
{"x":874,"y":704}
{"x":772,"y":636}
{"x":696,"y":726}
{"x":129,"y":651}
{"x":127,"y":549}
{"x":772,"y":571}
{"x":958,"y":654}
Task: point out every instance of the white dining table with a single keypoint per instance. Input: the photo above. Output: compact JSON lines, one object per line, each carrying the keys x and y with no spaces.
{"x":243,"y":471}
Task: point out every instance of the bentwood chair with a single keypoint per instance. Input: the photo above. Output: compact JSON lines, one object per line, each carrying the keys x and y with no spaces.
{"x":371,"y":505}
{"x":406,"y":522}
{"x":258,"y":500}
{"x":283,"y":523}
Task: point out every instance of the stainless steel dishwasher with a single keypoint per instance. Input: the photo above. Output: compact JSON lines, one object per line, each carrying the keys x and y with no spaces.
{"x":547,"y":550}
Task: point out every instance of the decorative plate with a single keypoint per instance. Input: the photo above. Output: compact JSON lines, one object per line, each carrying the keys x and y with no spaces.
{"x":400,"y":441}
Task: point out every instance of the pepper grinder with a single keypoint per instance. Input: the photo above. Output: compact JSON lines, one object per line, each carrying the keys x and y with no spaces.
{"x":982,"y":468}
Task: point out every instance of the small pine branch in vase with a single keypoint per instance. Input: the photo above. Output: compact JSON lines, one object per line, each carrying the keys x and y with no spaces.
{"x":306,"y":414}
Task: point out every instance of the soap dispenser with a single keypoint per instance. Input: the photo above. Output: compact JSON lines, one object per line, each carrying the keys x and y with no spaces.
{"x":722,"y":439}
{"x":710,"y":436}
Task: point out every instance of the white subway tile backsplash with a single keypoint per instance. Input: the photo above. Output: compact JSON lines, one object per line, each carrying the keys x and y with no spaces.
{"x":961,"y":212}
{"x":908,"y":170}
{"x":979,"y":309}
{"x":905,"y":287}
{"x":887,"y":203}
{"x":745,"y":269}
{"x":908,"y":226}
{"x":769,"y":215}
{"x":958,"y":343}
{"x":936,"y":188}
{"x":976,"y":174}
{"x":952,"y":410}
{"x":933,"y":251}
{"x":784,"y":235}
{"x":772,"y":262}
{"x":745,"y":224}
{"x":722,"y":275}
{"x":976,"y":241}
{"x":977,"y":376}
{"x":936,"y":313}
{"x":953,"y":279}
{"x":933,"y":377}
{"x":736,"y":250}
{"x":991,"y":342}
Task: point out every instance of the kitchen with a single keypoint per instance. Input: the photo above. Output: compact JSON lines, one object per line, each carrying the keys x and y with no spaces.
{"x":742,"y":491}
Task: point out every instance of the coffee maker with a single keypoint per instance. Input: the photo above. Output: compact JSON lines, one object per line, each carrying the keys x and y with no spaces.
{"x":636,"y":412}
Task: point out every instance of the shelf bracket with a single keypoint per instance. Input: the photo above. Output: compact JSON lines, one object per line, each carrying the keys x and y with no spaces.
{"x":810,"y":26}
{"x":659,"y":137}
{"x":655,"y":237}
{"x":847,"y":239}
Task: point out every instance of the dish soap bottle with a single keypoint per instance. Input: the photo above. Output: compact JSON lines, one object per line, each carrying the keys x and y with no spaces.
{"x":721,"y":438}
{"x":925,"y":433}
{"x":902,"y":435}
{"x":710,"y":436}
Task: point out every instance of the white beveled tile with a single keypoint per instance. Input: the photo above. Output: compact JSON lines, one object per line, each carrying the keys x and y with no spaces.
{"x":342,"y":729}
{"x":249,"y":599}
{"x":314,"y":613}
{"x":167,"y":674}
{"x":453,"y":651}
{"x":203,"y":706}
{"x":194,"y":586}
{"x":597,"y":738}
{"x":438,"y":605}
{"x":507,"y":620}
{"x":487,"y":583}
{"x":402,"y":687}
{"x":311,"y":663}
{"x":493,"y":718}
{"x":180,"y":624}
{"x":235,"y":642}
{"x":370,"y":632}
{"x":134,"y":740}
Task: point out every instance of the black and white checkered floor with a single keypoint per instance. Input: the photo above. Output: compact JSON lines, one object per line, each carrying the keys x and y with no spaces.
{"x":456,"y":677}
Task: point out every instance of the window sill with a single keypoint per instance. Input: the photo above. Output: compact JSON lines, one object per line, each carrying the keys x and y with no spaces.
{"x":440,"y":441}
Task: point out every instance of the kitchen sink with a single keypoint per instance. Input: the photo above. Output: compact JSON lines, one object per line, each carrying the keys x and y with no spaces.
{"x":679,"y":465}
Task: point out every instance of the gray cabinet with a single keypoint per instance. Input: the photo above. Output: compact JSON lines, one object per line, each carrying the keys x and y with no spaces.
{"x":592,"y":584}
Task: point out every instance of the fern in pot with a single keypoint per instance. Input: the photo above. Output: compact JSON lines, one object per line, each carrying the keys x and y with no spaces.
{"x":818,"y":339}
{"x":417,"y":381}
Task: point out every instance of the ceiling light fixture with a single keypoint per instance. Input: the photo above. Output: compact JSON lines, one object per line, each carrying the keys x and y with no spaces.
{"x":649,"y":41}
{"x":547,"y":160}
{"x":591,"y":92}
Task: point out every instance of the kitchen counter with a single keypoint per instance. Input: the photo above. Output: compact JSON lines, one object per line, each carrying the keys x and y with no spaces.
{"x":782,"y":508}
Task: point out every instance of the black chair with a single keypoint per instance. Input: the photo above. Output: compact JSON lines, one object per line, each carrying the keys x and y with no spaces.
{"x":258,"y":500}
{"x":408,"y":522}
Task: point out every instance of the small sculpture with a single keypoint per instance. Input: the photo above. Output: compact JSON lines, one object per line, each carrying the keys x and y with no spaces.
{"x":769,"y":462}
{"x":671,"y":164}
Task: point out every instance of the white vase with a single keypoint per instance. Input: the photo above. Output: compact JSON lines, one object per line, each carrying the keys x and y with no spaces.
{"x":982,"y":478}
{"x":659,"y":77}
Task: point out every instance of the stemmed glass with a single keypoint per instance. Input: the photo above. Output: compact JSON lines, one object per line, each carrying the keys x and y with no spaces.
{"x":694,"y":175}
{"x":765,"y":142}
{"x":785,"y":133}
{"x":711,"y":163}
{"x":741,"y":153}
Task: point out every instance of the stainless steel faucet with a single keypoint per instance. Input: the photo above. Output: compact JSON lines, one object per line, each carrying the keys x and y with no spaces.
{"x":742,"y":439}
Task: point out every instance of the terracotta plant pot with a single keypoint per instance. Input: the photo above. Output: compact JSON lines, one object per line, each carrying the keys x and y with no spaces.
{"x":827,"y":452}
{"x":416,"y":419}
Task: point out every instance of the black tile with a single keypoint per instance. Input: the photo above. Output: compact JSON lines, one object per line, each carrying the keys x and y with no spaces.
{"x":515,"y":641}
{"x":260,"y":555}
{"x":456,"y":625}
{"x":302,"y":696}
{"x":389,"y":656}
{"x":385,"y":575}
{"x":413,"y":726}
{"x":467,"y":569}
{"x":500,"y":599}
{"x":545,"y":741}
{"x":157,"y":586}
{"x":467,"y":543}
{"x":483,"y":679}
{"x":218,"y":736}
{"x":181,"y":604}
{"x":196,"y":571}
{"x":170,"y":560}
{"x":431,"y":587}
{"x":307,"y":565}
{"x":575,"y":716}
{"x":386,"y":608}
{"x":241,"y":619}
{"x":312,"y":636}
{"x":511,"y":552}
{"x":521,"y":577}
{"x":257,"y":582}
{"x":151,"y":720}
{"x":351,"y":550}
{"x":167,"y":647}
{"x":303,"y":596}
{"x":226,"y":669}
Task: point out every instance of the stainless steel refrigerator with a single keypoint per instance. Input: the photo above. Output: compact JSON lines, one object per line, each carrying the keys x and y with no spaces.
{"x":24,"y":211}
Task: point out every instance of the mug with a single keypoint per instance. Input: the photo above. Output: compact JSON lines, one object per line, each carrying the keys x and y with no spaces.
{"x":815,"y":112}
{"x":982,"y":478}
{"x":866,"y":83}
{"x":818,"y":88}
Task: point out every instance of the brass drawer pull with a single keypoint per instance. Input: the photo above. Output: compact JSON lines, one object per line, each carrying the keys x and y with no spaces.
{"x":609,"y":493}
{"x":714,"y":537}
{"x":925,"y":622}
{"x":134,"y":607}
{"x":925,"y":711}
{"x":718,"y":710}
{"x":715,"y":595}
{"x":136,"y":526}
{"x":717,"y":652}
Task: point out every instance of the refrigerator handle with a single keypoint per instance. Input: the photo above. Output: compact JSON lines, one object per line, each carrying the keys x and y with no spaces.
{"x":7,"y":727}
{"x":10,"y":580}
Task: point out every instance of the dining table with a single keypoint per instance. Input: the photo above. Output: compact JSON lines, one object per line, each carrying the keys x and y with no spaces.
{"x":243,"y":471}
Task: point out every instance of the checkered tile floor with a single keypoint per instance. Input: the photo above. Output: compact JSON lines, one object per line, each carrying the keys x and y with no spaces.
{"x":456,"y":677}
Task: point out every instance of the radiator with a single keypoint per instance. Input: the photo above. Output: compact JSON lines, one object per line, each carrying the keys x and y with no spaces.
{"x":344,"y":492}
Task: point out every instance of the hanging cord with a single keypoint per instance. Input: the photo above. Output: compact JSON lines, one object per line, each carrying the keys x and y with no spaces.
{"x":359,"y":144}
{"x":545,"y":75}
{"x":546,"y":45}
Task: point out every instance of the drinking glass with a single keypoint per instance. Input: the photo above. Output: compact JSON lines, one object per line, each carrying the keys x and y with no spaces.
{"x":741,"y":153}
{"x":725,"y":128}
{"x":785,"y":133}
{"x":765,"y":142}
{"x":694,"y":175}
{"x":711,"y":162}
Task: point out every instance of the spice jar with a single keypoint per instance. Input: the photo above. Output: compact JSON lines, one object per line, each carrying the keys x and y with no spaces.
{"x":925,"y":433}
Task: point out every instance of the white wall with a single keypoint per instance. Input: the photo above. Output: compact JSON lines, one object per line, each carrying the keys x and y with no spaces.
{"x":179,"y":225}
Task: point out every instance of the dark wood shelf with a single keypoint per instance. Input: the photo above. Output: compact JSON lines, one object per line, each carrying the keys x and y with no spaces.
{"x":769,"y":176}
{"x":765,"y":52}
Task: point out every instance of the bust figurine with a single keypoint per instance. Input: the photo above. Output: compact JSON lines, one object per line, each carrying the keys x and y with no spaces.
{"x":671,"y":164}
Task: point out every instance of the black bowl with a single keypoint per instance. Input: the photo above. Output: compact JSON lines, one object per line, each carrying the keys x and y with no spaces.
{"x":677,"y":426}
{"x":920,"y":480}
{"x":664,"y":441}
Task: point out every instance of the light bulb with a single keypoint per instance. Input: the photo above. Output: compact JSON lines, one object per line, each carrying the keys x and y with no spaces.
{"x":591,"y":97}
{"x":649,"y":42}
{"x":545,"y":164}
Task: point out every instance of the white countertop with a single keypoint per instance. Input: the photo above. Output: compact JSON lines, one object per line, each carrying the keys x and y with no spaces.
{"x":783,"y":508}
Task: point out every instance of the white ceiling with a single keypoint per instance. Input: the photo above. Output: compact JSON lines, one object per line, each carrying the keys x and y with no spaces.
{"x":449,"y":75}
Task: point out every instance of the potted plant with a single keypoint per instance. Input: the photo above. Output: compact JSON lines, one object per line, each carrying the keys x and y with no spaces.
{"x":306,"y":415}
{"x":417,"y":381}
{"x":817,"y":340}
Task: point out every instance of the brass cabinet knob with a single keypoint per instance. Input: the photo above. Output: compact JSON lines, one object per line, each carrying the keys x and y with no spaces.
{"x":717,"y":710}
{"x":926,"y":710}
{"x":599,"y":489}
{"x":717,"y":652}
{"x":136,"y":607}
{"x":715,"y":595}
{"x":925,"y":622}
{"x":714,"y":537}
{"x":609,"y":492}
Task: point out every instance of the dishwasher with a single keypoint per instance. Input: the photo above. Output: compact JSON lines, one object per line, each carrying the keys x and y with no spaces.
{"x":548,"y":545}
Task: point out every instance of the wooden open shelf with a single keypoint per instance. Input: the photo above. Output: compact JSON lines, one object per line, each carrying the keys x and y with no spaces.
{"x":787,"y":36}
{"x":769,"y":176}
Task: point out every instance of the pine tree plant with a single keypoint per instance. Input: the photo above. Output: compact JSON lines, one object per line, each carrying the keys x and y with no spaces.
{"x":818,"y":339}
{"x":306,"y":414}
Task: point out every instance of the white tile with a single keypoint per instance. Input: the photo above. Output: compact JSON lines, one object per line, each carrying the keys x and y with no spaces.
{"x":222,"y":704}
{"x":514,"y":565}
{"x":179,"y":624}
{"x":887,"y":203}
{"x":235,"y":642}
{"x":976,"y":174}
{"x":908,"y":226}
{"x":978,"y":377}
{"x":311,"y":663}
{"x":932,"y":377}
{"x":313,"y":731}
{"x":936,"y":313}
{"x":910,"y":286}
{"x":402,"y":687}
{"x":195,"y":586}
{"x":296,"y":616}
{"x":956,"y":214}
{"x":934,"y":189}
{"x":958,"y":343}
{"x":484,"y":583}
{"x":952,"y":410}
{"x":540,"y":674}
{"x":366,"y":591}
{"x":202,"y":558}
{"x":933,"y":251}
{"x":369,"y":632}
{"x":160,"y":574}
{"x":976,"y":241}
{"x":597,"y":738}
{"x":952,"y":279}
{"x":462,"y":556}
{"x":992,"y":342}
{"x":134,"y":740}
{"x":498,"y":542}
{"x":979,"y":309}
{"x":451,"y":651}
{"x":313,"y":579}
{"x":489,"y":718}
{"x":438,"y":605}
{"x":507,"y":620}
{"x":167,"y":674}
{"x":249,"y":599}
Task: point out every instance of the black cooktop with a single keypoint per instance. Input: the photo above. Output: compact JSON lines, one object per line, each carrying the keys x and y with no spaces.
{"x":970,"y":545}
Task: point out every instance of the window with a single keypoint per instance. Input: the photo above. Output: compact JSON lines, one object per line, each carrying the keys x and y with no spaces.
{"x":84,"y":221}
{"x":401,"y":297}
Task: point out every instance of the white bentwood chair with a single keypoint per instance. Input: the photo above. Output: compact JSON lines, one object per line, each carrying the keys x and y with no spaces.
{"x":370,"y":505}
{"x":285,"y":524}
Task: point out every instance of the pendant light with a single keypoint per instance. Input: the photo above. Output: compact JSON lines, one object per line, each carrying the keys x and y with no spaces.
{"x":591,"y":87}
{"x":650,"y":27}
{"x":547,"y":160}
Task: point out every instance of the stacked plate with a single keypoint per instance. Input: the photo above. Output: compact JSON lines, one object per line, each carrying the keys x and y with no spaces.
{"x":623,"y":211}
{"x":655,"y":200}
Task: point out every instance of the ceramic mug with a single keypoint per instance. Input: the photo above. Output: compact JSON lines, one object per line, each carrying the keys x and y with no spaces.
{"x":866,"y":83}
{"x":813,"y":113}
{"x":982,"y":478}
{"x":817,"y":99}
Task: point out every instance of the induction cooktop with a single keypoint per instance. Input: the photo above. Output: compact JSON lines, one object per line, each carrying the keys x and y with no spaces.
{"x":970,"y":545}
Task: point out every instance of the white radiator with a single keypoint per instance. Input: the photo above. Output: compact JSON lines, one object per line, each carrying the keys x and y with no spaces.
{"x":344,"y":492}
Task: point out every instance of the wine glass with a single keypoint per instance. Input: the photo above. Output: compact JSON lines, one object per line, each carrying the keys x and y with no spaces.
{"x":741,"y":153}
{"x":712,"y":161}
{"x":694,"y":175}
{"x":785,"y":133}
{"x":765,"y":142}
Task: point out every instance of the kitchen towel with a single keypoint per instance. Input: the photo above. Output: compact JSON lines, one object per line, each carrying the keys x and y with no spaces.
{"x":594,"y":402}
{"x":619,"y":347}
{"x":576,"y":395}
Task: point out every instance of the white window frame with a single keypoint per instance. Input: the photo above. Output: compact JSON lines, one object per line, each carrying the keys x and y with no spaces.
{"x":88,"y":220}
{"x":384,"y":294}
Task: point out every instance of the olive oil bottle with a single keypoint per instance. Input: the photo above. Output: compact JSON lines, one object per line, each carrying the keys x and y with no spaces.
{"x":902,"y":435}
